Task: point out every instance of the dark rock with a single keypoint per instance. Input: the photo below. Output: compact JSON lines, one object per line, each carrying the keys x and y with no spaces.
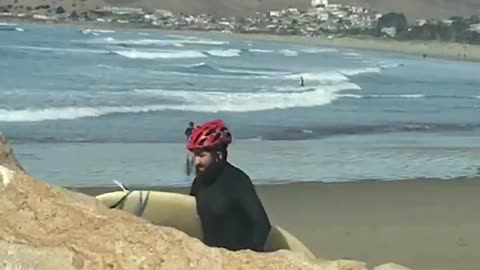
{"x":42,"y":7}
{"x":392,"y":19}
{"x":60,"y":10}
{"x":74,"y":15}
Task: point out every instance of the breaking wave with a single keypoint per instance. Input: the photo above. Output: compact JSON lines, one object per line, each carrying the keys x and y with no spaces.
{"x":287,"y":52}
{"x":97,"y":32}
{"x":153,"y":42}
{"x":205,"y":101}
{"x":224,"y":53}
{"x":173,"y":54}
{"x":206,"y":69}
{"x":165,"y":54}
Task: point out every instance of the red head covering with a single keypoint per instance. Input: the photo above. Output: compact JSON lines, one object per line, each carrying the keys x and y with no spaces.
{"x":210,"y":135}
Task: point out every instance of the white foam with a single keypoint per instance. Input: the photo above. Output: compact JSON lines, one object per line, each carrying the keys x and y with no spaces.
{"x":261,"y":51}
{"x":288,"y":52}
{"x":353,"y":54}
{"x":350,"y":96}
{"x":255,"y":72}
{"x":165,"y":54}
{"x":353,"y":72}
{"x":103,"y":31}
{"x":201,"y":64}
{"x":322,"y":77}
{"x":147,"y":42}
{"x":208,"y":101}
{"x":229,"y":72}
{"x":226,"y":76}
{"x":224,"y":53}
{"x":160,"y":42}
{"x":65,"y":113}
{"x":318,"y":50}
{"x":204,"y":101}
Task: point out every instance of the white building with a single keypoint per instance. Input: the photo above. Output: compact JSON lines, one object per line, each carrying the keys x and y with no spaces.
{"x":274,"y":13}
{"x":319,"y":3}
{"x":475,"y":27}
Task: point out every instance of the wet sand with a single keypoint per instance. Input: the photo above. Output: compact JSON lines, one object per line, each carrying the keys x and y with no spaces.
{"x":422,"y":224}
{"x":431,"y":49}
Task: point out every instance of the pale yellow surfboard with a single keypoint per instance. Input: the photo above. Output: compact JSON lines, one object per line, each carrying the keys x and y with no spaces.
{"x":179,"y":211}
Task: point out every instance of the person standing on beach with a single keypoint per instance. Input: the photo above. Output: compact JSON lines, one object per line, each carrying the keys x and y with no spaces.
{"x":189,"y":161}
{"x":231,"y":214}
{"x":189,"y":130}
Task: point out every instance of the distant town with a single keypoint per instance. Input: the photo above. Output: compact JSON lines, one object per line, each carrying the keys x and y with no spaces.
{"x":321,"y":19}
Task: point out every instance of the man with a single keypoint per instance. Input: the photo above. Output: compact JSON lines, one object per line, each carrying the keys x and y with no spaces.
{"x":189,"y":130}
{"x":231,"y":214}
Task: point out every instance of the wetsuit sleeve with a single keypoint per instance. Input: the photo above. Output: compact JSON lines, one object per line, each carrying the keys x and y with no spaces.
{"x":254,"y":209}
{"x":193,"y":188}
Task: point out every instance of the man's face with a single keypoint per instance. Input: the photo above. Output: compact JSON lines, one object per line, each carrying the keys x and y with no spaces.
{"x":203,"y":161}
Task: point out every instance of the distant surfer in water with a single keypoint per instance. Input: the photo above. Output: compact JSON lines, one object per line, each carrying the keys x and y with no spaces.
{"x":302,"y":84}
{"x":231,"y":213}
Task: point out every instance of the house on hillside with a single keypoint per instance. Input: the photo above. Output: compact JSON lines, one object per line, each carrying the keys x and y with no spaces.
{"x":475,"y":28}
{"x":319,"y":3}
{"x":123,"y":10}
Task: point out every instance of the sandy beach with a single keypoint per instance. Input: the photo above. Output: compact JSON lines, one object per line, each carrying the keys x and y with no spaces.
{"x":422,"y":224}
{"x":433,"y":49}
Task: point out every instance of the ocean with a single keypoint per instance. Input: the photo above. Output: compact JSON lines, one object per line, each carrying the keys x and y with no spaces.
{"x":83,"y":107}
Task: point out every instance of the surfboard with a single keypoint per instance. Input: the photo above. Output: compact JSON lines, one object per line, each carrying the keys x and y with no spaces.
{"x":179,"y":211}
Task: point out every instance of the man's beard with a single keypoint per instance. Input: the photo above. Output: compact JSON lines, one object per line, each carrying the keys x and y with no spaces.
{"x":210,"y":172}
{"x":205,"y":172}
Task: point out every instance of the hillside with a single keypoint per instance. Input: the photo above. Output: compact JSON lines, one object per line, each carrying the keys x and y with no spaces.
{"x":413,"y":9}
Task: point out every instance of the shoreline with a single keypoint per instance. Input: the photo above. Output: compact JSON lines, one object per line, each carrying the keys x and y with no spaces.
{"x":95,"y":190}
{"x":421,"y":224}
{"x":432,"y":49}
{"x":436,"y":50}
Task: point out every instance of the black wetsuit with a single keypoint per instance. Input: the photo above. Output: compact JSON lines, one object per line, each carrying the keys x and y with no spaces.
{"x":188,"y":132}
{"x":230,"y":211}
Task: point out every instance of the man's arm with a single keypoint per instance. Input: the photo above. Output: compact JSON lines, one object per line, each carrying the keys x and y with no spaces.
{"x":254,"y":209}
